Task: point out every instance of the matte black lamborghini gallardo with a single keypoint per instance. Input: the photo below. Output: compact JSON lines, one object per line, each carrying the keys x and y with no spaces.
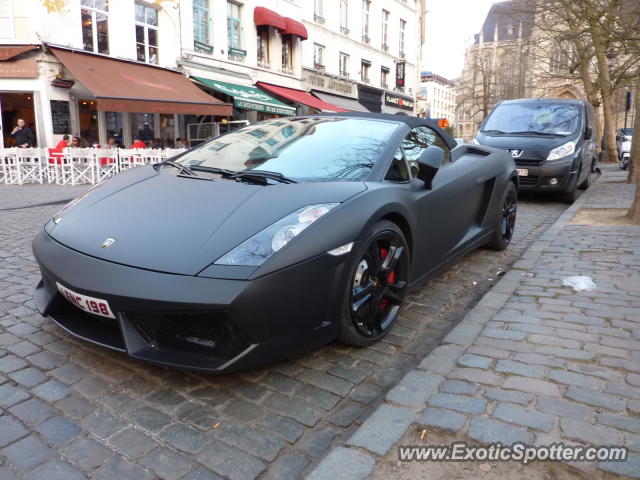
{"x":271,"y":240}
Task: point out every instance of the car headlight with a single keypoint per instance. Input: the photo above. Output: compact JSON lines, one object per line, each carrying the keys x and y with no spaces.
{"x":562,"y":151}
{"x":256,"y":250}
{"x":58,"y":216}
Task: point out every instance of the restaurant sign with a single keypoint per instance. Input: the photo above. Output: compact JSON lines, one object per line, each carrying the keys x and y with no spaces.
{"x":398,"y":101}
{"x":26,"y":68}
{"x":316,"y":81}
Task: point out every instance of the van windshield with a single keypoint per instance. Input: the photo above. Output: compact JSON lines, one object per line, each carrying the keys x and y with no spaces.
{"x":533,"y":117}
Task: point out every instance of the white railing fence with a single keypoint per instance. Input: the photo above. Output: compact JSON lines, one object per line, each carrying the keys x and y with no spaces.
{"x":73,"y":166}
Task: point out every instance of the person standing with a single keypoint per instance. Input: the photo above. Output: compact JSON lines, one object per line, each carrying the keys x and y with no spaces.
{"x":23,"y":135}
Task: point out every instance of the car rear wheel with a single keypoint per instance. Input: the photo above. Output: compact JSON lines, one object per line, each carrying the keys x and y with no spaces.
{"x":506,"y":221}
{"x":376,"y":286}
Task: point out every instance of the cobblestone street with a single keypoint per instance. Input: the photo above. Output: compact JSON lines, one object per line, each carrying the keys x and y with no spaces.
{"x":70,"y":410}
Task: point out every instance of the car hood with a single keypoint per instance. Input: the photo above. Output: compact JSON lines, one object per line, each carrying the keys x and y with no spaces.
{"x":180,"y":225}
{"x":540,"y":145}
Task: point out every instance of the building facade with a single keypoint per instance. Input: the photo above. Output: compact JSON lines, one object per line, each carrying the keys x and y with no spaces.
{"x":437,"y":97}
{"x":95,"y":69}
{"x":99,"y":68}
{"x":361,"y":54}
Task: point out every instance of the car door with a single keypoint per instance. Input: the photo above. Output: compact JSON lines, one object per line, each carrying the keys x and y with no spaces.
{"x":448,"y":212}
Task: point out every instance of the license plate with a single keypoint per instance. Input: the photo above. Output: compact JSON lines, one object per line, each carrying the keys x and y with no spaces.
{"x":523,"y":172}
{"x":96,"y":306}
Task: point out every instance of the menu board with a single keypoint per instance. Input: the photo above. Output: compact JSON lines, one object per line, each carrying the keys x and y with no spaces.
{"x":60,"y":117}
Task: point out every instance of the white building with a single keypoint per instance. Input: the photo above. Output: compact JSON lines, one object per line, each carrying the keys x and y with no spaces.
{"x":95,"y":69}
{"x":362,"y":51}
{"x":437,"y":97}
{"x":127,"y":68}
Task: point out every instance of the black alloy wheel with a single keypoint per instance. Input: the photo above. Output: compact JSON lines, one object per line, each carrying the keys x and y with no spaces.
{"x":377,"y":286}
{"x":506,"y":222}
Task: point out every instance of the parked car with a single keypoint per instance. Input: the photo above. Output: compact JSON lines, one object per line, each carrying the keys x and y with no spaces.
{"x":551,"y":140}
{"x":623,"y":135}
{"x":271,"y":240}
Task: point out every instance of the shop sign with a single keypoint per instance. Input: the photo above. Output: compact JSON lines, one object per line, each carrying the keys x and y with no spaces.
{"x":262,"y":107}
{"x":27,"y":68}
{"x":398,"y":101}
{"x":400,"y":74}
{"x":315,"y":81}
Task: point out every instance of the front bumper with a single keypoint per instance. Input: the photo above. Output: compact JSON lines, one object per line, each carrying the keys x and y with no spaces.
{"x":207,"y":324}
{"x":540,"y":174}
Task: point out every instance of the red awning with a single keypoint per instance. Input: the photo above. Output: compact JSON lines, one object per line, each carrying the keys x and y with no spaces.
{"x":120,"y":86}
{"x":293,"y":27}
{"x":7,"y":52}
{"x":264,"y":16}
{"x":301,"y":97}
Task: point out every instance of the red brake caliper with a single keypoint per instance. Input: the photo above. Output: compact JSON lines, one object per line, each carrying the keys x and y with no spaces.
{"x":390,"y":278}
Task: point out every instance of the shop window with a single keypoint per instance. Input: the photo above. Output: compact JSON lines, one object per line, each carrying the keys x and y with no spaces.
{"x":142,"y":126}
{"x":385,"y":30}
{"x":287,"y":56}
{"x":318,"y":56}
{"x":114,"y":122}
{"x":344,"y":64}
{"x":88,"y":116}
{"x":201,"y":26}
{"x":263,"y":46}
{"x":94,"y":17}
{"x":147,"y":33}
{"x":234,"y":33}
{"x":344,"y":16}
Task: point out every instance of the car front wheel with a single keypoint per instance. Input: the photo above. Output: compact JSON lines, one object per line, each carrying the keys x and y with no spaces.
{"x":376,"y":287}
{"x":506,"y":219}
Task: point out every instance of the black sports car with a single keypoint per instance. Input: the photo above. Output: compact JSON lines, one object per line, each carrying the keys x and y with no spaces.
{"x":271,"y":240}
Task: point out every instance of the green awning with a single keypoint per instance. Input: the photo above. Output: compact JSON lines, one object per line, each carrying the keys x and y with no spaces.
{"x":249,"y":98}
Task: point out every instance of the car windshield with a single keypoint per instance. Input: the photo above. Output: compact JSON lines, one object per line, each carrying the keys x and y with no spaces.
{"x":314,"y":149}
{"x":534,"y":117}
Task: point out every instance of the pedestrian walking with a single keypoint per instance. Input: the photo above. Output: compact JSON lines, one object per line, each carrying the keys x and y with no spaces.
{"x":23,"y":135}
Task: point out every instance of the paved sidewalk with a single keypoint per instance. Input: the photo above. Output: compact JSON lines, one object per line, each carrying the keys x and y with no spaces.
{"x":534,"y":361}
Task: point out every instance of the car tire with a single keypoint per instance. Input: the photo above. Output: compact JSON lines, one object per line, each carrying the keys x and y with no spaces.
{"x":376,"y":286}
{"x":587,"y":181}
{"x":506,"y":219}
{"x":570,"y":196}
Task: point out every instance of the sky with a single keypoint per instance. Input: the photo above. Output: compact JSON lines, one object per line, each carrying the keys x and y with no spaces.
{"x":450,"y":26}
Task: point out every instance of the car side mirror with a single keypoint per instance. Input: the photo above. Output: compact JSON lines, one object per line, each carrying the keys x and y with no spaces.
{"x":431,"y":159}
{"x":588,"y":133}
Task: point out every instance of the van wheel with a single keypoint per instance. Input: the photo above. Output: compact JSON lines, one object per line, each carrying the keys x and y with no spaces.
{"x":587,"y":181}
{"x":570,"y":196}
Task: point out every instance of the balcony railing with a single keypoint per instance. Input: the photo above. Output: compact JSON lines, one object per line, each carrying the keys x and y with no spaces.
{"x":263,"y":62}
{"x":202,"y":47}
{"x":319,"y":67}
{"x":286,"y":69}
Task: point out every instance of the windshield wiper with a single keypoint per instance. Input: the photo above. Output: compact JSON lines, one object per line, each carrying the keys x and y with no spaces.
{"x":220,"y":171}
{"x":181,"y":168}
{"x":533,"y":132}
{"x":493,"y":131}
{"x":262,"y":176}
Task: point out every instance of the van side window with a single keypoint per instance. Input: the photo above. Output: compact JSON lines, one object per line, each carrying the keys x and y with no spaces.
{"x":420,"y":138}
